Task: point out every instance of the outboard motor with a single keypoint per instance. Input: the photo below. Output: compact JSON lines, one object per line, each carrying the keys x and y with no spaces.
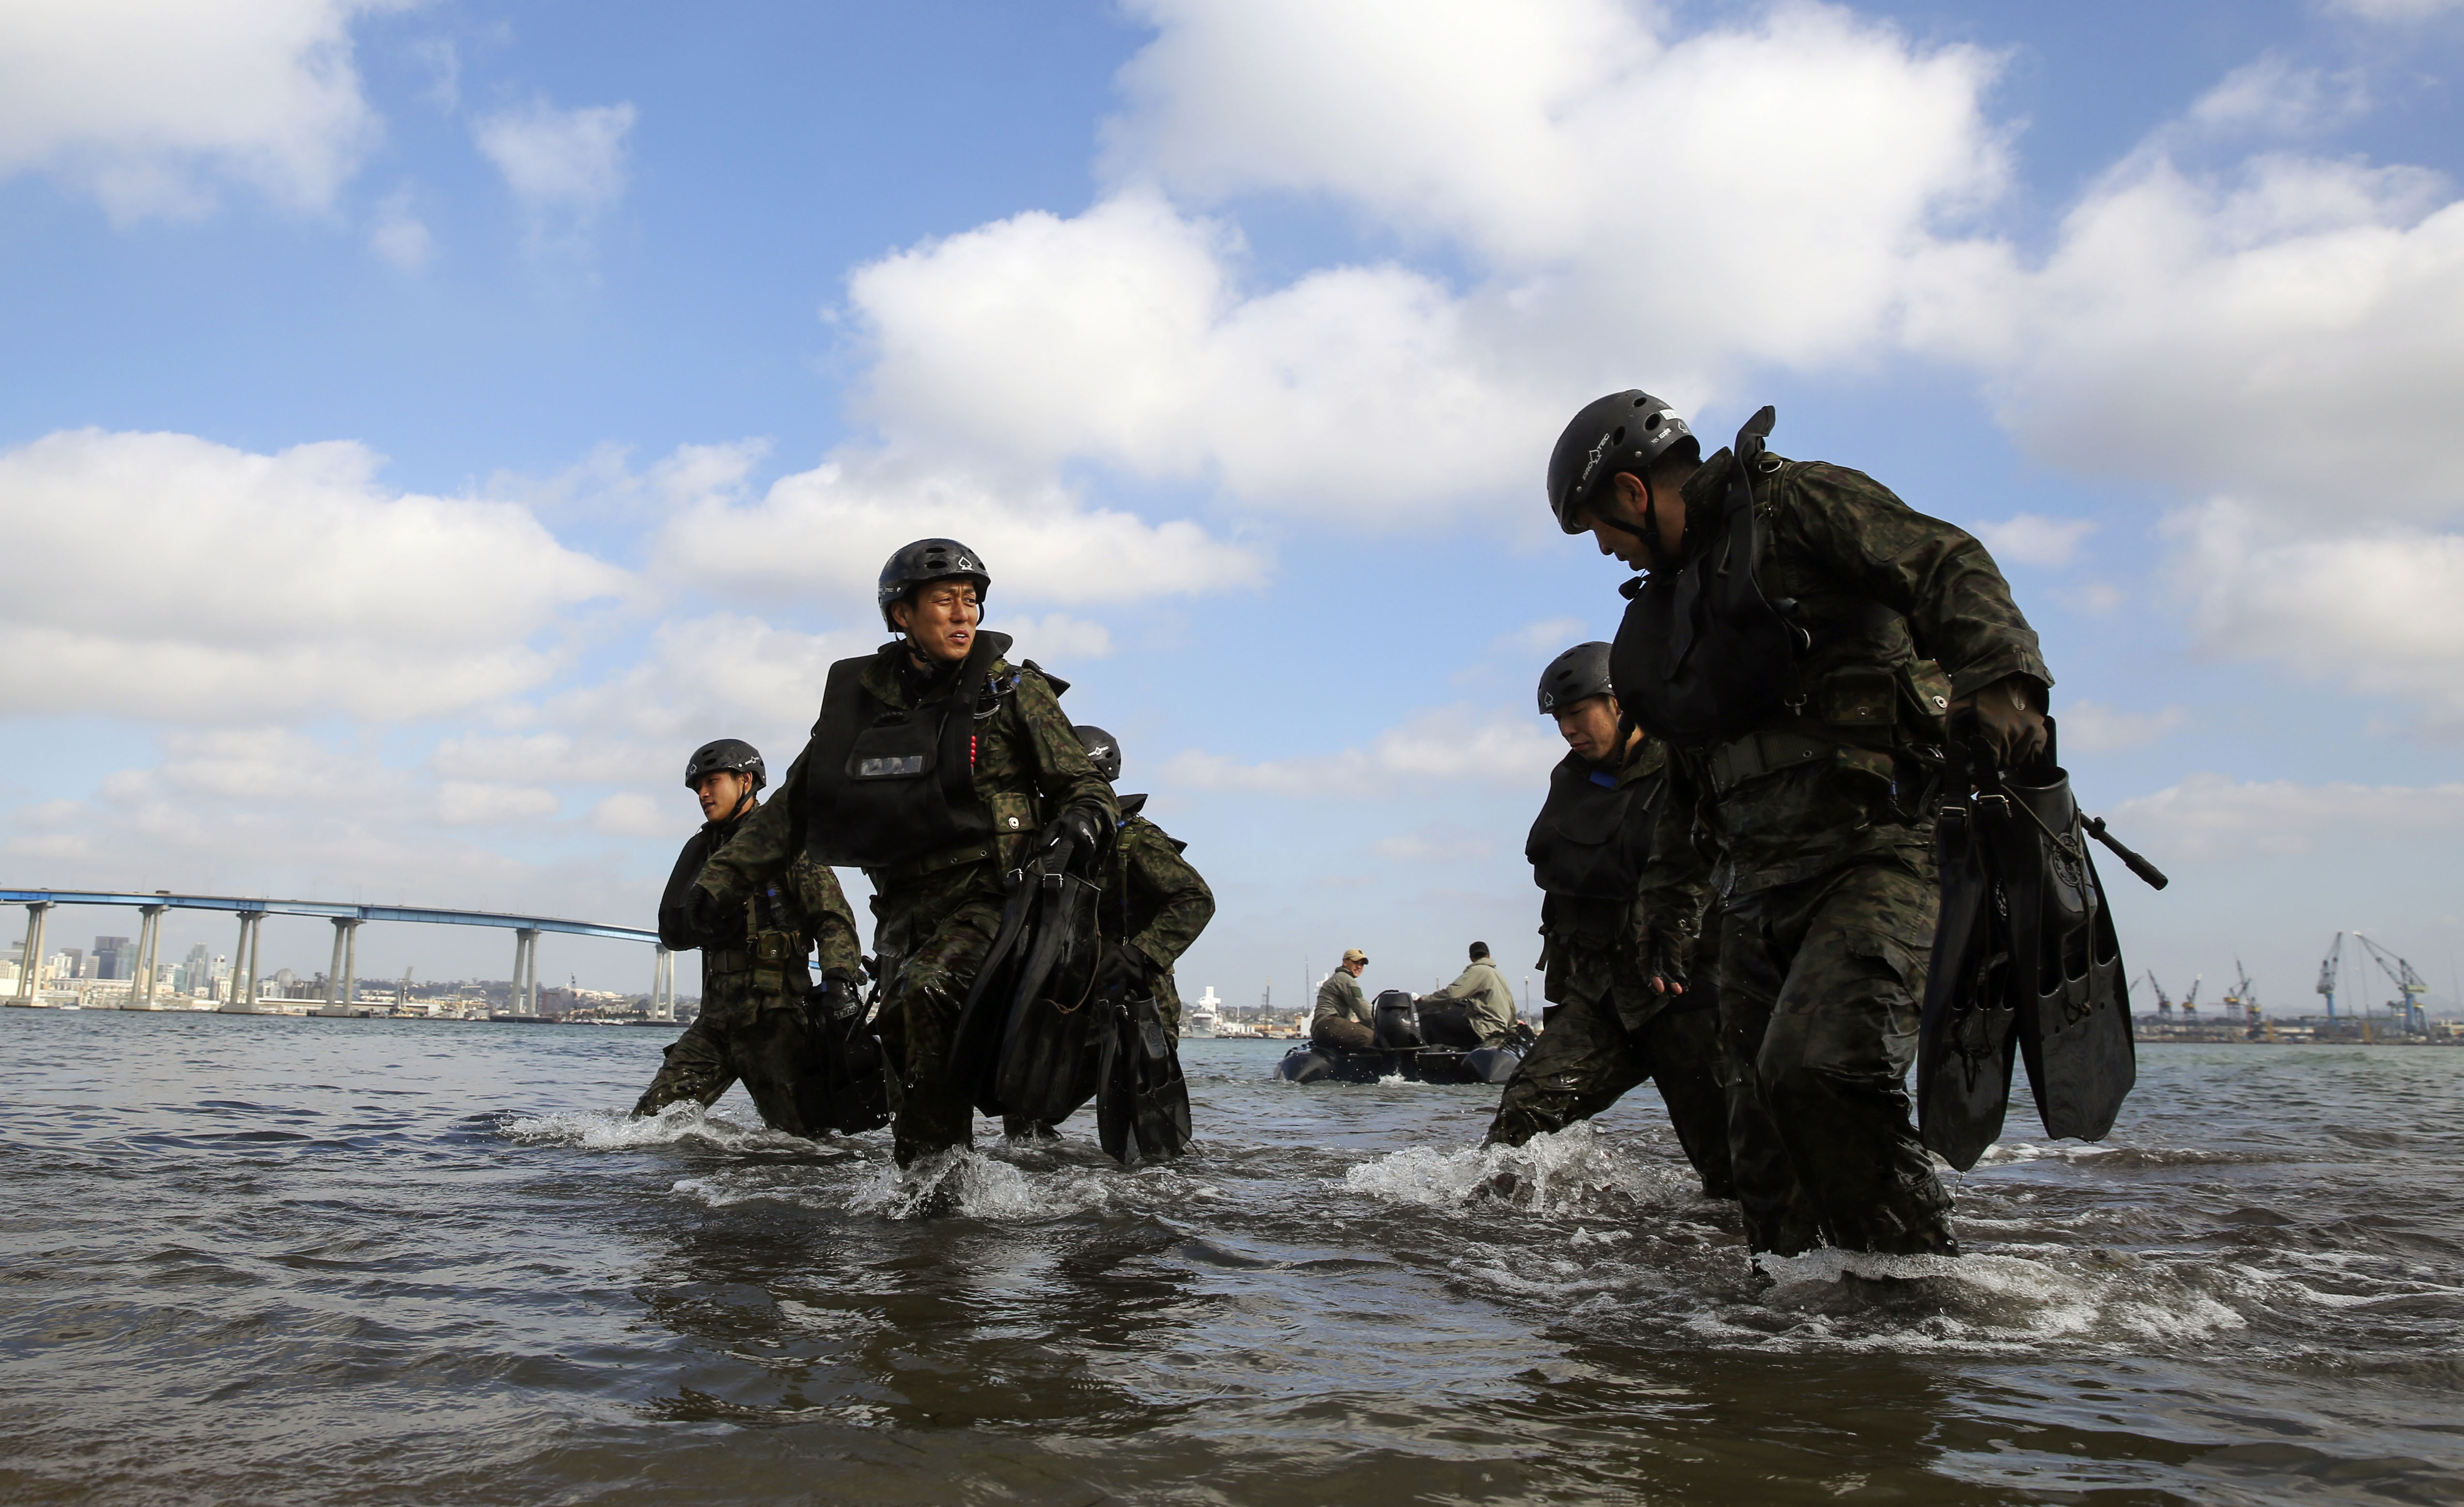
{"x":1398,"y":1020}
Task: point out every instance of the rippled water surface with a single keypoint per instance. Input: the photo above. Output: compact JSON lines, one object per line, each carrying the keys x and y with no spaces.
{"x":344,"y":1261}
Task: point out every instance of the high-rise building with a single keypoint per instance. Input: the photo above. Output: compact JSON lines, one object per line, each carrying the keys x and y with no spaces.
{"x":114,"y":958}
{"x":72,"y":963}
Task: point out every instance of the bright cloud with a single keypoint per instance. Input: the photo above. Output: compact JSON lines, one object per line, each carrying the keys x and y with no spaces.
{"x":826,"y":532}
{"x":2211,"y":817}
{"x":142,"y":104}
{"x":1451,"y":745}
{"x":161,"y":574}
{"x":2032,"y":540}
{"x":2090,"y":726}
{"x":1132,"y":334}
{"x":2371,"y":607}
{"x":566,"y":166}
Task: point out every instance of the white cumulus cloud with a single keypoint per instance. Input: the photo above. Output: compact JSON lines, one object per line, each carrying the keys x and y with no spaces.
{"x":1449,"y":745}
{"x":146,"y":103}
{"x":2209,"y":817}
{"x":2032,"y":541}
{"x":161,"y":574}
{"x":826,"y":532}
{"x":566,"y":166}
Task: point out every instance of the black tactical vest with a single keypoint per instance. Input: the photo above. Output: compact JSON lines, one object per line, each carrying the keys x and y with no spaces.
{"x":1702,"y":655}
{"x":884,"y":786}
{"x":1592,"y":839}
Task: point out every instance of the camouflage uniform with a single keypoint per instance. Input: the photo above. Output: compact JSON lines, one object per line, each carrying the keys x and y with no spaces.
{"x":1605,"y":1029}
{"x":752,"y":1024}
{"x":1154,"y":901}
{"x":935,"y":919}
{"x":1822,"y":830}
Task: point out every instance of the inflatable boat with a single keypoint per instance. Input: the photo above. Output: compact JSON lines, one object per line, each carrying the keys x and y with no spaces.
{"x":1419,"y":1042}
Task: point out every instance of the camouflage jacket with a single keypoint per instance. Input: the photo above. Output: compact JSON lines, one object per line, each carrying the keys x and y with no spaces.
{"x":1907,"y":612}
{"x":1152,"y":900}
{"x":1586,"y":937}
{"x":1029,"y":767}
{"x":746,"y":958}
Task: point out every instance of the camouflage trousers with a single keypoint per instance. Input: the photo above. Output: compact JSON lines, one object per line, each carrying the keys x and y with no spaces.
{"x":1588,"y":1058}
{"x":1821,"y":983}
{"x":734,"y":1038}
{"x":939,"y":932}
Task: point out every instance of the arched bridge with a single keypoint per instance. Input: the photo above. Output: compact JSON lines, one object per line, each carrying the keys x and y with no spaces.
{"x":342,"y":978}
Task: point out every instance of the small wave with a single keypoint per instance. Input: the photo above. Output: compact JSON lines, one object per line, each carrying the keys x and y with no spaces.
{"x":1571,"y":1172}
{"x":974,"y":1186}
{"x":2013,"y":1152}
{"x":1861,"y":1300}
{"x":679,"y":1124}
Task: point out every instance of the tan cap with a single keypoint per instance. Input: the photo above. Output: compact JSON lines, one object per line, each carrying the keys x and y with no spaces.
{"x":1354,"y":955}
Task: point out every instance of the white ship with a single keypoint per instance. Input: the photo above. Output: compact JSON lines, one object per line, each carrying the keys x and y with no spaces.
{"x":1200,"y":1018}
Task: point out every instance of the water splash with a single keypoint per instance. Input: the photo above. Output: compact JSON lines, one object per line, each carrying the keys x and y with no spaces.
{"x":685,"y":1123}
{"x":1574,"y":1171}
{"x":974,"y":1186}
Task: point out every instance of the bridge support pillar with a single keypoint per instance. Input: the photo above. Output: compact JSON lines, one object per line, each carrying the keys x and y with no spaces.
{"x":525,"y":972}
{"x":663,"y":984}
{"x":341,"y":980}
{"x":149,"y":950}
{"x":29,"y":977}
{"x":241,"y":1000}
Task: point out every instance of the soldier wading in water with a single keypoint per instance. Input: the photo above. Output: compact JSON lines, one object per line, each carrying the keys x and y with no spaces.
{"x":1798,"y":641}
{"x":1607,"y":1028}
{"x":754,"y":1023}
{"x":937,"y":767}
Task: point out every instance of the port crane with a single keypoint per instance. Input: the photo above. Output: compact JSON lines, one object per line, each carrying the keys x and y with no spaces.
{"x":2191,"y":1000}
{"x":2164,"y":1000}
{"x":2243,"y":996}
{"x":2327,"y":974}
{"x":2410,"y":984}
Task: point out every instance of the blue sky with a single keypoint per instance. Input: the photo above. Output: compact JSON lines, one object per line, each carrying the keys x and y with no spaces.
{"x":427,"y":423}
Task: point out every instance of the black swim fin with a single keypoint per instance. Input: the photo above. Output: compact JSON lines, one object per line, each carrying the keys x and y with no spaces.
{"x":1142,"y":1099}
{"x":2067,"y":980}
{"x":1043,"y":1072}
{"x":1967,"y":1041}
{"x":975,"y":1043}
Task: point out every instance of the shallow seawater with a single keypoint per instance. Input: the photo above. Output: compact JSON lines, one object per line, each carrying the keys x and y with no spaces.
{"x":340,"y":1261}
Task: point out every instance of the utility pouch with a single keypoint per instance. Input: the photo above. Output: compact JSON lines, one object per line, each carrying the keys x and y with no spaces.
{"x":772,"y":951}
{"x":1858,"y":696}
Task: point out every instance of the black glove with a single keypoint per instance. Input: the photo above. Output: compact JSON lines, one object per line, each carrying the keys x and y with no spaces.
{"x":1664,"y":959}
{"x":1123,"y":970}
{"x":1076,"y":831}
{"x":834,"y":1001}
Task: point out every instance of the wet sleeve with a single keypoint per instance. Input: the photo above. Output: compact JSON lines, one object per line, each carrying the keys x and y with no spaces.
{"x":1183,"y":904}
{"x":1063,"y":776}
{"x":762,"y":849}
{"x":830,"y":919}
{"x":1958,"y":606}
{"x":1676,"y":883}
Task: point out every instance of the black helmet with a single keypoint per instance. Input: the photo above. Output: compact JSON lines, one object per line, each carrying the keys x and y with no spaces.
{"x":1103,"y":750}
{"x":1624,"y":431}
{"x":728,"y":753}
{"x":1580,"y":672}
{"x":929,"y":560}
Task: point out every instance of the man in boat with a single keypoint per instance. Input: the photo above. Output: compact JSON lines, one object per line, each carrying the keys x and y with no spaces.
{"x":1343,"y":1021}
{"x":1802,"y":674}
{"x":752,"y":1025}
{"x":1488,"y":1005}
{"x":1154,"y":904}
{"x":938,"y":768}
{"x":1606,"y":1029}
